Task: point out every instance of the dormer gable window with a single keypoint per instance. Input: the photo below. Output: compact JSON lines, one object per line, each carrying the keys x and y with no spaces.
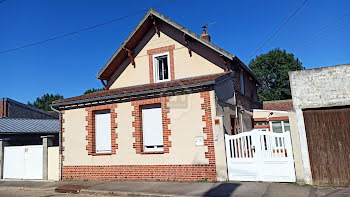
{"x":161,"y":66}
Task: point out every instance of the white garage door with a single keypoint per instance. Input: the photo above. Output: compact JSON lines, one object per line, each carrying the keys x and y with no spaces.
{"x":23,"y":162}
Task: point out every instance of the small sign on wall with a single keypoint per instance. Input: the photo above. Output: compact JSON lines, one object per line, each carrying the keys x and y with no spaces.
{"x":199,"y":140}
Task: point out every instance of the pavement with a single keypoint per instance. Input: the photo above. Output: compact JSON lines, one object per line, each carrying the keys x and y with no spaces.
{"x":162,"y":189}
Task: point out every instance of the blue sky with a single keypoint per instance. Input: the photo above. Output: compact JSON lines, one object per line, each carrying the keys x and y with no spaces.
{"x":318,"y":35}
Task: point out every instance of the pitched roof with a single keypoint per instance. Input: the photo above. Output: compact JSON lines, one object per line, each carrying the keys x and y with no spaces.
{"x":18,"y":125}
{"x":143,"y":89}
{"x":138,"y":33}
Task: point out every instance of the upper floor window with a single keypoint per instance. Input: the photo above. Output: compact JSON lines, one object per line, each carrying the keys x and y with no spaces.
{"x":161,"y":67}
{"x":241,"y":78}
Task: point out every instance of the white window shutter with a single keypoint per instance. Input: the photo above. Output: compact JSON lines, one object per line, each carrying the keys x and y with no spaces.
{"x":152,"y":126}
{"x":103,"y":132}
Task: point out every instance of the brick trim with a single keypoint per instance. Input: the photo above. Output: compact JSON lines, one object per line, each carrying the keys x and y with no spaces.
{"x":90,"y":128}
{"x":208,"y":129}
{"x":137,"y":124}
{"x":150,"y":53}
{"x":141,"y":172}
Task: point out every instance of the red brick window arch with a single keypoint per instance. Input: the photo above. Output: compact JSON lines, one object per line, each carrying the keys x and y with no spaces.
{"x":152,"y":52}
{"x":91,"y":133}
{"x":137,"y":124}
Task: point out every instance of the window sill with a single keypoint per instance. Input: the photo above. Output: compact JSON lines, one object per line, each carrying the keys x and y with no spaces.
{"x":152,"y":152}
{"x":97,"y":154}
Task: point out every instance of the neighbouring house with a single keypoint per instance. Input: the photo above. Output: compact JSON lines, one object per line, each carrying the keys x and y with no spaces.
{"x":28,"y":142}
{"x":170,"y":97}
{"x":321,"y":99}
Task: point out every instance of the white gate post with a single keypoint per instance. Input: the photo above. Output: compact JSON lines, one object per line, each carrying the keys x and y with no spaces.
{"x":290,"y":157}
{"x":258,"y":154}
{"x":2,"y":147}
{"x":46,"y":143}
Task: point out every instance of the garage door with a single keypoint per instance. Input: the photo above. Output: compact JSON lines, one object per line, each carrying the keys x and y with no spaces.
{"x":23,"y":162}
{"x":328,"y":136}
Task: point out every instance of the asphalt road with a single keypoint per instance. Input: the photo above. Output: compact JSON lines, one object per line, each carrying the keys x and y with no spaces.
{"x":26,"y":192}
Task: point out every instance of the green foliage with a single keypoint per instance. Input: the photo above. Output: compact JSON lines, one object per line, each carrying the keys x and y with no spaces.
{"x":272,"y":71}
{"x":93,"y":90}
{"x":45,"y":101}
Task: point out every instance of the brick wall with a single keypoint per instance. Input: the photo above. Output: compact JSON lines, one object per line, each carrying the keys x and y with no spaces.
{"x":3,"y":112}
{"x":141,"y":172}
{"x":279,"y":105}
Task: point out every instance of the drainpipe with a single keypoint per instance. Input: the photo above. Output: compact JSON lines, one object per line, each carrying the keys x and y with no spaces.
{"x":60,"y":139}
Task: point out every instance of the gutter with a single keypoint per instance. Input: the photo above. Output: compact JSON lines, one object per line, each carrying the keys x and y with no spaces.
{"x":60,"y":140}
{"x":118,"y":96}
{"x":216,"y":81}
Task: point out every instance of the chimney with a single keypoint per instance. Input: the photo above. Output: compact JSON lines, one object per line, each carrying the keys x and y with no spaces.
{"x":205,"y":36}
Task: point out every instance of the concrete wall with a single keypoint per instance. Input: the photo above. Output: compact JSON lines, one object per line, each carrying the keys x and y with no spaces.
{"x":259,"y":113}
{"x":316,"y":88}
{"x":53,"y":163}
{"x":184,"y":65}
{"x":186,"y":124}
{"x":321,"y":87}
{"x":298,"y":162}
{"x":219,"y":141}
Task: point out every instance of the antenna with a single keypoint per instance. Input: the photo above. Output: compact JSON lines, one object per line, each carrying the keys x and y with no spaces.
{"x":206,"y":26}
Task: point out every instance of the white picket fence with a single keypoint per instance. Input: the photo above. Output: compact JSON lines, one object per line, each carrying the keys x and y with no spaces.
{"x":260,"y":155}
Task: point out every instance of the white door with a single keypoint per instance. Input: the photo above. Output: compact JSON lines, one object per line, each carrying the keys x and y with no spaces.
{"x":23,"y":162}
{"x":260,"y":156}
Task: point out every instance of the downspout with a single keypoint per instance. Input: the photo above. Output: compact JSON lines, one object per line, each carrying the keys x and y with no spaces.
{"x":60,"y":140}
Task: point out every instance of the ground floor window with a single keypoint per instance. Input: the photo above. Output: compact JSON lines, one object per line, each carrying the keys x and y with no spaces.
{"x":103,"y":131}
{"x":152,"y":128}
{"x":279,"y":126}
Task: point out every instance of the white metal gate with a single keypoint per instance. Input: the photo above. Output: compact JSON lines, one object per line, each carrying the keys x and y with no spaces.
{"x":23,"y":162}
{"x":260,"y":156}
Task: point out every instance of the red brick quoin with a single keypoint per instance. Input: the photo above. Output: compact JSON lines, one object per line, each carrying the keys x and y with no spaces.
{"x":90,"y":137}
{"x":208,"y":129}
{"x":141,"y":172}
{"x":137,"y":123}
{"x":150,"y":53}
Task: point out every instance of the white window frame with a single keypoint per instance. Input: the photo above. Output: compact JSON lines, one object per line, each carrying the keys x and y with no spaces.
{"x":282,"y":124}
{"x":104,"y":126}
{"x":156,"y":70}
{"x":154,"y":148}
{"x":241,"y":80}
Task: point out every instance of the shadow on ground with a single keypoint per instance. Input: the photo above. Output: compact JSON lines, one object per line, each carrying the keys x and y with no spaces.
{"x":222,"y":190}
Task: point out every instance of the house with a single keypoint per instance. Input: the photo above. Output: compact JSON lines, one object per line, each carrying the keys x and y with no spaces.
{"x":321,"y":100}
{"x":28,"y":137}
{"x":170,"y":97}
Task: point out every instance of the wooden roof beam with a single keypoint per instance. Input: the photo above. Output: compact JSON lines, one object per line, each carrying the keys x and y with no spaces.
{"x":130,"y":53}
